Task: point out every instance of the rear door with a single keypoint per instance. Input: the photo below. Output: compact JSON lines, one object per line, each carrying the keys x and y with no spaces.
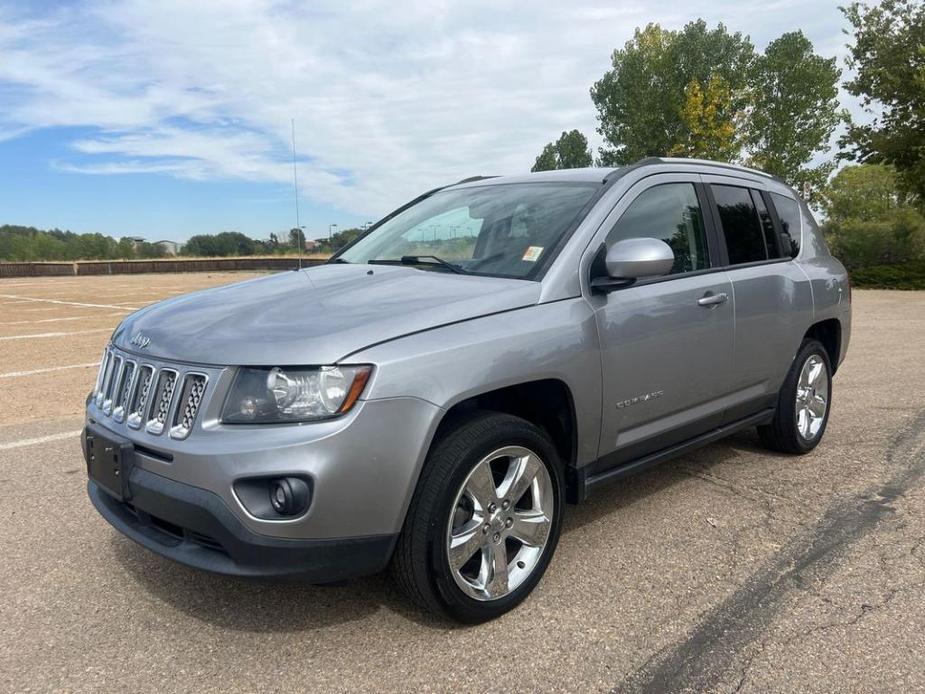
{"x":770,"y":293}
{"x":666,"y":342}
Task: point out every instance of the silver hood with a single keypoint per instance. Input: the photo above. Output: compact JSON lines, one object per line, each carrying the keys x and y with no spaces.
{"x":314,"y":316}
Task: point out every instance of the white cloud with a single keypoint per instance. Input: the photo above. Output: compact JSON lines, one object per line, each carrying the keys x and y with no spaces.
{"x":390,"y":98}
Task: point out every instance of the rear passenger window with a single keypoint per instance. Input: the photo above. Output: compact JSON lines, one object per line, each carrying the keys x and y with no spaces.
{"x":767,"y":224}
{"x":788,"y":211}
{"x":741,"y":226}
{"x":670,"y":212}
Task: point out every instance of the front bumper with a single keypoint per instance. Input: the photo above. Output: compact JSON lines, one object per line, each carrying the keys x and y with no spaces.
{"x":363,"y":467}
{"x":181,"y":500}
{"x":195,"y":527}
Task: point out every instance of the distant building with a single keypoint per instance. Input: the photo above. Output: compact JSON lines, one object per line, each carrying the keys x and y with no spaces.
{"x":310,"y":245}
{"x":136,"y":240}
{"x":170,"y":247}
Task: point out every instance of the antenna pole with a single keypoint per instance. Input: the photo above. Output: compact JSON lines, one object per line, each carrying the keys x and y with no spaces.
{"x":295,"y":185}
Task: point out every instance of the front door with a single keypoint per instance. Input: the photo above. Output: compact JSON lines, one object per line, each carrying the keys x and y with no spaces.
{"x":667,"y":342}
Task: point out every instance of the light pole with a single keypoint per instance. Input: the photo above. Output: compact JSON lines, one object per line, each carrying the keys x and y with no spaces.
{"x":331,"y":227}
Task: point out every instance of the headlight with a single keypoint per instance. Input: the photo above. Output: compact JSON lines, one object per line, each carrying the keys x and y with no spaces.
{"x":262,"y":396}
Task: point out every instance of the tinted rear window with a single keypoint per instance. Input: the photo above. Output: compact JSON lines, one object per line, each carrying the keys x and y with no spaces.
{"x":767,"y":225}
{"x":788,"y":211}
{"x":741,"y":226}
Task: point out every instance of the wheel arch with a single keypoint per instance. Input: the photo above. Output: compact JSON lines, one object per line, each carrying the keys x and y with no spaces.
{"x":546,"y":403}
{"x":829,"y":333}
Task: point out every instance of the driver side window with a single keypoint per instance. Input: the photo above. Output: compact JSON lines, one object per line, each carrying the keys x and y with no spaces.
{"x":669,"y":212}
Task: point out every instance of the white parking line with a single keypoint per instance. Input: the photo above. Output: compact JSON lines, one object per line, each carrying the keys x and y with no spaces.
{"x":17,"y":374}
{"x":76,"y":332}
{"x":58,"y":320}
{"x":68,"y":303}
{"x":47,"y":320}
{"x":40,"y":439}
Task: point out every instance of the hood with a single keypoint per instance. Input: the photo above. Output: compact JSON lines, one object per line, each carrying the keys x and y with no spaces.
{"x":315,"y":316}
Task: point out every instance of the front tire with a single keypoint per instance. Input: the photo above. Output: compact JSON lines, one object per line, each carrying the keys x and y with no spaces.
{"x":803,"y":404}
{"x":485,"y":519}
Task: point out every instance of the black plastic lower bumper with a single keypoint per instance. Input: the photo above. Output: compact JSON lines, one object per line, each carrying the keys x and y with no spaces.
{"x":195,"y":527}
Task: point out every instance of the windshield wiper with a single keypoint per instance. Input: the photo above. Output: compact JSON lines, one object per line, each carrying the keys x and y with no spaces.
{"x":422,"y":260}
{"x":338,"y":260}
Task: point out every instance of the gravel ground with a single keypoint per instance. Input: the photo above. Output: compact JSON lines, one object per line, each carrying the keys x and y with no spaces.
{"x":730,"y":569}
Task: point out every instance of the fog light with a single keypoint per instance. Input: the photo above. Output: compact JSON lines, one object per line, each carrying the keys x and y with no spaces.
{"x":289,"y":495}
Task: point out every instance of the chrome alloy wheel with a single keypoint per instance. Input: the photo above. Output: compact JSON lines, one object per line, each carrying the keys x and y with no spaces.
{"x":812,"y":397}
{"x":500,"y":522}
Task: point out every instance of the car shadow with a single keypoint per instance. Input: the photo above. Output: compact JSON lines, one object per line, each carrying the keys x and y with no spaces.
{"x":615,"y":497}
{"x":261,"y":605}
{"x":253,"y":605}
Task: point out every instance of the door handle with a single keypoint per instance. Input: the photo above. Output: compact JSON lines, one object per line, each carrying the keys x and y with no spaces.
{"x":711,"y":299}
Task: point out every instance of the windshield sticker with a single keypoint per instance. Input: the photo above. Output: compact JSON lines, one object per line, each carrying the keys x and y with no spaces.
{"x":532,"y":254}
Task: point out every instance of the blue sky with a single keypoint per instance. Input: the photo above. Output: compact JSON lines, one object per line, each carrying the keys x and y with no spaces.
{"x":170,"y":118}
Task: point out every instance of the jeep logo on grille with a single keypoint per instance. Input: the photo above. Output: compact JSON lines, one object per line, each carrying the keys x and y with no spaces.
{"x":140,"y":340}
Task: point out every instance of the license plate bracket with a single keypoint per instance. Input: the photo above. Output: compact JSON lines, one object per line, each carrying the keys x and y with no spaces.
{"x":109,"y":462}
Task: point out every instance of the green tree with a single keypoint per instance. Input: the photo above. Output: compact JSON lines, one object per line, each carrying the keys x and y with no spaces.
{"x":888,"y":60}
{"x":570,"y":151}
{"x":866,"y":192}
{"x":640,"y":101}
{"x":711,"y":124}
{"x":794,"y":110}
{"x":227,"y":243}
{"x":201,"y":245}
{"x":870,"y":219}
{"x":234,"y":243}
{"x":547,"y":160}
{"x":296,"y":238}
{"x":125,"y":249}
{"x":150,"y":250}
{"x":31,"y":244}
{"x":338,"y":240}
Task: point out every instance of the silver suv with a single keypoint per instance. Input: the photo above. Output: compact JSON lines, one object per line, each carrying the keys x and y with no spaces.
{"x":432,"y":397}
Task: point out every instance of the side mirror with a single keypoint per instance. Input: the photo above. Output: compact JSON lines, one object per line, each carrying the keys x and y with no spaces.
{"x":632,"y":259}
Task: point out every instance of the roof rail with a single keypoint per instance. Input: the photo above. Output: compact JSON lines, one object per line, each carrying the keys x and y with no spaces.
{"x":707,"y":162}
{"x":473,"y":178}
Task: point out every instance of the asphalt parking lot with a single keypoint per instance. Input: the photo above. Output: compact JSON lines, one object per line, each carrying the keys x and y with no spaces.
{"x":731,"y":569}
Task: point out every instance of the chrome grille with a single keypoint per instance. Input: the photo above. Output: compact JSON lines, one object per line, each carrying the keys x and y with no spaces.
{"x":124,"y":391}
{"x":104,"y":363}
{"x":194,"y":386}
{"x":160,"y":404}
{"x":140,"y":395}
{"x":112,"y":378}
{"x":103,"y":378}
{"x":150,"y":395}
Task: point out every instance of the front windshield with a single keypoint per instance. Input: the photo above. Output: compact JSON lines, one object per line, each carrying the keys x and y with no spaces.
{"x":503,"y":229}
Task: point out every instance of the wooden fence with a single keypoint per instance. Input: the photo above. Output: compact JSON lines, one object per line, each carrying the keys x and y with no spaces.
{"x":130,"y":267}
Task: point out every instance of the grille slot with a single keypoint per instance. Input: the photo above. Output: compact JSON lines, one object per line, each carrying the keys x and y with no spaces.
{"x":160,"y":403}
{"x":104,"y":362}
{"x":112,"y":379}
{"x":194,"y":386}
{"x":140,"y":395}
{"x":125,"y":391}
{"x":103,"y":378}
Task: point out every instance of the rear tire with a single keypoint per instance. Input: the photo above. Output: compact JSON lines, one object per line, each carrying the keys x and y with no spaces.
{"x":803,"y":403}
{"x":488,"y":481}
